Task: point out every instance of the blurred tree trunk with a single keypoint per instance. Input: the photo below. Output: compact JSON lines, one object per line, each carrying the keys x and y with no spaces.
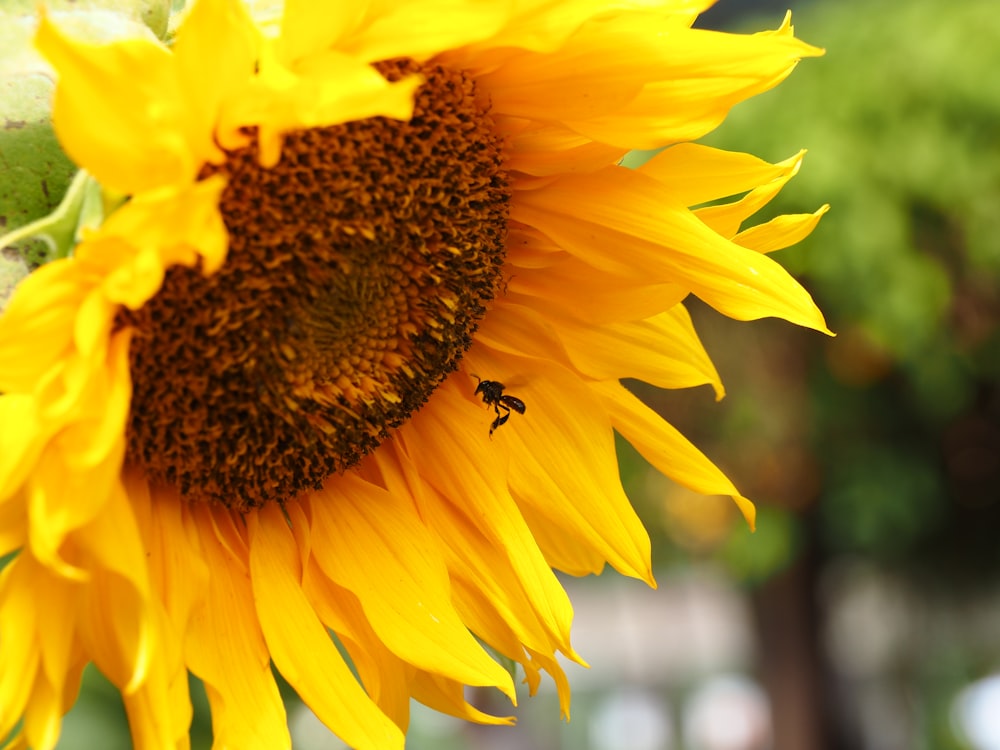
{"x":793,"y":667}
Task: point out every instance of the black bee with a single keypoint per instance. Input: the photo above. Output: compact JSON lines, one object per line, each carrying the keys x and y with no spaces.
{"x":494,"y":396}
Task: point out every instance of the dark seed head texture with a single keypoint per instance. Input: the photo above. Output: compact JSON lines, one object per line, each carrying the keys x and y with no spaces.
{"x":357,"y":271}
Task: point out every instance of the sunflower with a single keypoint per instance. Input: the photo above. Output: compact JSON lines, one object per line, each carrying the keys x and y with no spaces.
{"x":333,"y":388}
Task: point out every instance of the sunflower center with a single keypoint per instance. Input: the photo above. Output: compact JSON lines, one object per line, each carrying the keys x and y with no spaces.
{"x":358,"y":269}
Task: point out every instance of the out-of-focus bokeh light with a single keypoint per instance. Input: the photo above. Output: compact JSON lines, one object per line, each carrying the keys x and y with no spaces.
{"x":728,"y":712}
{"x":976,"y":713}
{"x":632,"y":719}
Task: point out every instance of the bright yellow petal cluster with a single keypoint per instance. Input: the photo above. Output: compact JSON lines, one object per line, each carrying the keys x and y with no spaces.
{"x":445,"y":533}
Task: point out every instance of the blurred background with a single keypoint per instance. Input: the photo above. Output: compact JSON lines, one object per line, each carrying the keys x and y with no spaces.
{"x":864,"y":614}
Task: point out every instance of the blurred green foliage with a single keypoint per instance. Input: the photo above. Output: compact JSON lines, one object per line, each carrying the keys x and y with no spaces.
{"x":902,"y":416}
{"x":901,"y":123}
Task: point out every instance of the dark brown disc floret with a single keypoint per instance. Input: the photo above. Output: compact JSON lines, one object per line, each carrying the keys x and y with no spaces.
{"x":357,"y":271}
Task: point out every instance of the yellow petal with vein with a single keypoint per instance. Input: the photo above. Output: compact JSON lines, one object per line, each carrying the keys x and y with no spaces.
{"x":386,"y":677}
{"x":36,"y":328}
{"x":448,"y":697}
{"x":569,"y":288}
{"x":299,"y":644}
{"x":19,"y":449}
{"x":780,"y":232}
{"x":664,"y":351}
{"x":665,"y":448}
{"x":699,"y":76}
{"x":20,"y":657}
{"x":224,"y":645}
{"x":727,"y":218}
{"x":415,"y":30}
{"x":692,"y":173}
{"x":450,"y":444}
{"x":159,"y":710}
{"x":217,"y":35}
{"x":562,"y":460}
{"x":651,"y":236}
{"x":407,"y":602}
{"x":485,"y":587}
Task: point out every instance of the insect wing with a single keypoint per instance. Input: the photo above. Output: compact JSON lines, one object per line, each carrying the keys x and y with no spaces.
{"x":513,"y":402}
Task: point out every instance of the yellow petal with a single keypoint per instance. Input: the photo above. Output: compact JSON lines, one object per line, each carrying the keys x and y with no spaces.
{"x":544,"y":26}
{"x":225,"y":648}
{"x":700,"y":75}
{"x":160,"y":229}
{"x":726,"y":218}
{"x":551,"y":666}
{"x":178,"y":571}
{"x":119,"y":110}
{"x":118,"y":625}
{"x":20,"y":656}
{"x":547,"y":148}
{"x":485,"y":586}
{"x":781,"y":232}
{"x":13,"y":519}
{"x":19,"y":449}
{"x":567,"y":287}
{"x":36,"y":328}
{"x":96,"y":439}
{"x":159,"y":710}
{"x":217,"y":35}
{"x":55,"y":617}
{"x":386,"y":677}
{"x":517,"y":329}
{"x":562,"y":460}
{"x":575,"y":557}
{"x":307,"y":28}
{"x":449,"y":441}
{"x":665,"y":448}
{"x":448,"y":697}
{"x":407,"y":602}
{"x":415,"y":30}
{"x":78,"y":473}
{"x":299,"y":644}
{"x":650,"y":235}
{"x":115,"y":629}
{"x":664,"y":351}
{"x":597,"y":72}
{"x":43,"y":716}
{"x":326,"y":89}
{"x":692,"y":173}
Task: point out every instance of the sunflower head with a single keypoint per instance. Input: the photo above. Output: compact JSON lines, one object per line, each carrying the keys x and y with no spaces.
{"x":357,"y":270}
{"x":267,"y":396}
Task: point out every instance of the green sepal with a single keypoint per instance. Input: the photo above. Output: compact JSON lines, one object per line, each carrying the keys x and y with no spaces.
{"x":504,"y":661}
{"x":58,"y":232}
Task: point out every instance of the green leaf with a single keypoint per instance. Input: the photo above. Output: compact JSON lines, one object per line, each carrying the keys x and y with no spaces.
{"x":34,"y":171}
